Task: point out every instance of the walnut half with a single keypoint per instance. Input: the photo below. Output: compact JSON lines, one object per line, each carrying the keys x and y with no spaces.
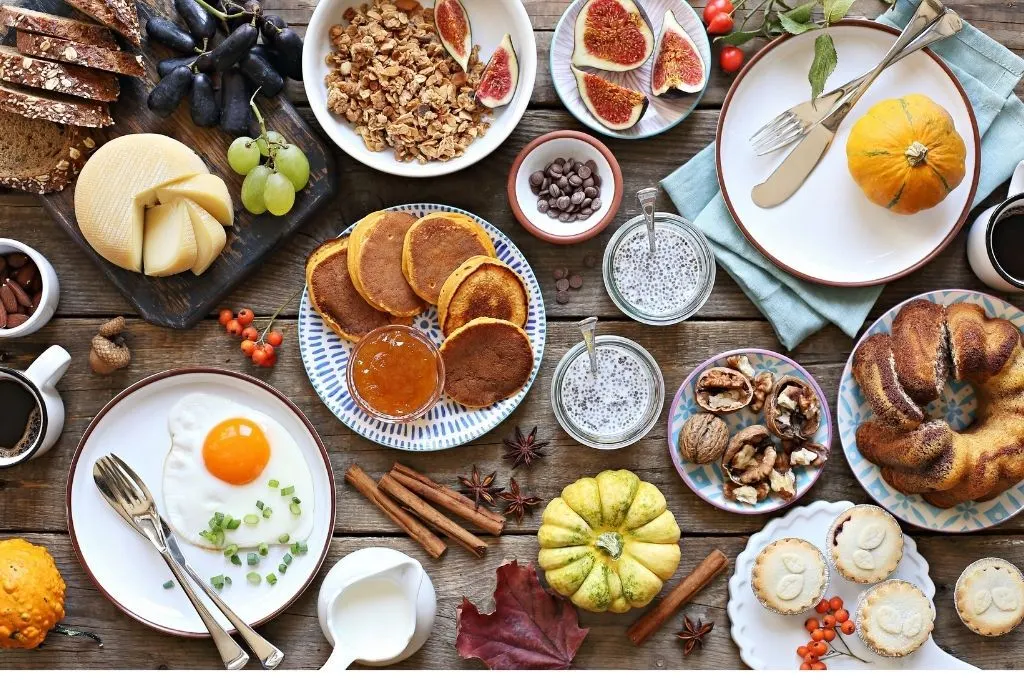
{"x":750,"y":456}
{"x":723,"y":390}
{"x":793,"y":410}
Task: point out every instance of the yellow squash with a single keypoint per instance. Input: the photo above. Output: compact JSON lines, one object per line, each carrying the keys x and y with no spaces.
{"x":31,"y":594}
{"x":609,"y":542}
{"x":905,"y":154}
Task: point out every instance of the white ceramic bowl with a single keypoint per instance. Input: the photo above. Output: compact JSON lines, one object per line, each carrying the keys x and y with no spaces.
{"x":490,"y":21}
{"x":51,"y":290}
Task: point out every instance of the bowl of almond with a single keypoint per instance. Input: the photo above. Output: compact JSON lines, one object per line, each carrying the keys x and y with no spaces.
{"x":29,"y":290}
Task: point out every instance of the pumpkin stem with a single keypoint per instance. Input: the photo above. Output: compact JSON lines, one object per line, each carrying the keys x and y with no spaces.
{"x":611,"y":543}
{"x":65,"y":631}
{"x":916,"y":153}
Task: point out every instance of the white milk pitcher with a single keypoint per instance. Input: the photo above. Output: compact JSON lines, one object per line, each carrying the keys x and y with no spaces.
{"x":981,"y":251}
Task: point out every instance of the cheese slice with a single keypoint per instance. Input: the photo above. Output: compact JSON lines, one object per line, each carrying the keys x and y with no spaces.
{"x":210,"y":236}
{"x":116,"y":185}
{"x":169,"y":243}
{"x":208,"y":190}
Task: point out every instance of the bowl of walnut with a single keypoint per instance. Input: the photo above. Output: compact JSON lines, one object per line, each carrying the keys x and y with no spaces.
{"x":385,"y":89}
{"x":749,"y":431}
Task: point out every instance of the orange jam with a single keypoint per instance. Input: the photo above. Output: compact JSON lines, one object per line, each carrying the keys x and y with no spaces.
{"x":395,"y":371}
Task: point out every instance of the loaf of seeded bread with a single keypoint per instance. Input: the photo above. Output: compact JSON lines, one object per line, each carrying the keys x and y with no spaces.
{"x":83,"y":54}
{"x":40,"y":156}
{"x":59,"y":27}
{"x":56,"y":77}
{"x":38,"y":104}
{"x":120,"y":15}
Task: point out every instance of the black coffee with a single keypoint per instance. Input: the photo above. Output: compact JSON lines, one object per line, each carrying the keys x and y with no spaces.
{"x":20,"y":419}
{"x":1008,"y":243}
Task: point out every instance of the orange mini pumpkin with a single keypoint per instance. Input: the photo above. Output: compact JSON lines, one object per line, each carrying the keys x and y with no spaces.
{"x":905,"y":154}
{"x":31,"y":594}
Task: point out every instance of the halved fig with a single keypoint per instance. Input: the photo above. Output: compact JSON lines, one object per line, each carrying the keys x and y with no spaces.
{"x":453,"y":28}
{"x":614,"y":106}
{"x":501,"y":76}
{"x":613,"y":35}
{"x":677,"y":62}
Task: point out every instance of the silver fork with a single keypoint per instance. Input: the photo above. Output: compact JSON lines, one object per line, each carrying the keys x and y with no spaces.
{"x":794,"y":123}
{"x":131,"y":499}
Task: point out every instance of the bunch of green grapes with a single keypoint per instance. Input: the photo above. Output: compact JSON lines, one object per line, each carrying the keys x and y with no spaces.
{"x":274,"y":171}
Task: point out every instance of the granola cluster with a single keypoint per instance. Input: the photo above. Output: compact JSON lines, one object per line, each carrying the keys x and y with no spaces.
{"x":393,"y":80}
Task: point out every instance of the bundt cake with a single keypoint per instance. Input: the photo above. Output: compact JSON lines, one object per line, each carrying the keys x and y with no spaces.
{"x":901,"y":372}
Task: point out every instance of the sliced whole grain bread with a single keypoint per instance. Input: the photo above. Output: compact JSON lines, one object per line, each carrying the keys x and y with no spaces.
{"x":59,"y":27}
{"x":80,"y":53}
{"x":54,"y":76}
{"x":120,"y":15}
{"x":40,"y":156}
{"x":39,"y":104}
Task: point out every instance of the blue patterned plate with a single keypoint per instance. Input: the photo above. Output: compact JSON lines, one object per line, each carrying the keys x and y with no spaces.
{"x":956,"y":405}
{"x":447,"y":424}
{"x":706,"y":480}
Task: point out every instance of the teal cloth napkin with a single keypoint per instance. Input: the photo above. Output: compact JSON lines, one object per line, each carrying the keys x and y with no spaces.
{"x":797,"y":309}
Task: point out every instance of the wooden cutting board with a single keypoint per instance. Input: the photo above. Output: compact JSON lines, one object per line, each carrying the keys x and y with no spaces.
{"x":182,"y":300}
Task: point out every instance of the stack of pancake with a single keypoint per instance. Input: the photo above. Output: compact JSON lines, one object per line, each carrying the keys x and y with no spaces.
{"x":393,"y":266}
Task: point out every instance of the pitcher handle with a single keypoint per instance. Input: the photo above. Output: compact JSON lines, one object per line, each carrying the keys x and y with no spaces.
{"x":48,"y":368}
{"x":1017,"y":180}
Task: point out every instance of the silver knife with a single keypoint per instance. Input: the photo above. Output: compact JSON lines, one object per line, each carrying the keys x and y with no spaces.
{"x":794,"y":170}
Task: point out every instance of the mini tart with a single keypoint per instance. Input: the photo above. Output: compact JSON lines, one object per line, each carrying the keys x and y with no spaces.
{"x":790,"y":576}
{"x":895,"y":618}
{"x":865,"y":544}
{"x":989,"y":597}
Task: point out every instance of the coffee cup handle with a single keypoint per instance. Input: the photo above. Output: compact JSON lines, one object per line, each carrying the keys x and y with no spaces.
{"x":48,"y":368}
{"x":1017,"y":181}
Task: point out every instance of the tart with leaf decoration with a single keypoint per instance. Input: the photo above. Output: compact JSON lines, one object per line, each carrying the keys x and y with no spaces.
{"x":789,"y":576}
{"x":865,"y":544}
{"x":895,"y":618}
{"x":989,"y":597}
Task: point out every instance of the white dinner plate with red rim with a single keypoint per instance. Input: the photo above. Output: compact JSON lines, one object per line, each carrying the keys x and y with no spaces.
{"x":829,"y":232}
{"x":125,"y":567}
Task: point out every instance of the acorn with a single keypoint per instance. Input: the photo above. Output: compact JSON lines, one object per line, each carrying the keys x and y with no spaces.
{"x":109,"y":352}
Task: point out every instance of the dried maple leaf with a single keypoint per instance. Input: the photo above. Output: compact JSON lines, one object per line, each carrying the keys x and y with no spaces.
{"x":529,"y":628}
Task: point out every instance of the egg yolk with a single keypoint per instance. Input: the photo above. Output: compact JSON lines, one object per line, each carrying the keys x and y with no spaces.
{"x":236,"y":451}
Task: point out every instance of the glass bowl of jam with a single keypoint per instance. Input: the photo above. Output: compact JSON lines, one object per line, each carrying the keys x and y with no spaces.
{"x":395,"y":373}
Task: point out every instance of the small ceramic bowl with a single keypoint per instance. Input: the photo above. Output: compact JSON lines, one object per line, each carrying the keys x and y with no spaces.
{"x":51,"y":290}
{"x":536,"y":156}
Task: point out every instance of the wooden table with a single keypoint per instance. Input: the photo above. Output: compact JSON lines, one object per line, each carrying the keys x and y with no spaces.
{"x":32,"y":495}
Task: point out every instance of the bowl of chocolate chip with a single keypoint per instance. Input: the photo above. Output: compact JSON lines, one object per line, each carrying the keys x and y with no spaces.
{"x":28,"y":290}
{"x":565,"y":187}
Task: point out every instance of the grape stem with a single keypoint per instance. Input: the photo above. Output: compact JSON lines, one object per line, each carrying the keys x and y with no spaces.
{"x":221,"y":15}
{"x":271,"y":145}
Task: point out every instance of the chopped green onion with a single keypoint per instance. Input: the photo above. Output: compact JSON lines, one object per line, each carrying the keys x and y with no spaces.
{"x":299,"y":548}
{"x":218,"y":517}
{"x":271,"y":578}
{"x":282,"y":567}
{"x":253,"y":578}
{"x":259,"y":504}
{"x":267,"y":511}
{"x":263,"y":549}
{"x":252,"y":520}
{"x":219,"y":581}
{"x":283,"y":538}
{"x":227,"y":580}
{"x":287,"y":559}
{"x":234,"y":523}
{"x":287,"y":490}
{"x":252,"y":559}
{"x":216,"y":537}
{"x":168,"y":584}
{"x":226,"y":521}
{"x":273,"y":483}
{"x":230,"y":550}
{"x":295,"y":508}
{"x":236,"y":560}
{"x":296,"y":500}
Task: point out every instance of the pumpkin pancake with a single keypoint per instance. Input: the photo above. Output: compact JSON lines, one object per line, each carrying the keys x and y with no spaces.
{"x":375,"y":263}
{"x":436,"y":245}
{"x":485,"y":361}
{"x":335,"y":298}
{"x":482,"y":287}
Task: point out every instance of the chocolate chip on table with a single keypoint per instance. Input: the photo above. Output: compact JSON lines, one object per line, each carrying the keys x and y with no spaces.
{"x":560,"y":274}
{"x":575,"y":281}
{"x":562,"y":285}
{"x":562,"y":297}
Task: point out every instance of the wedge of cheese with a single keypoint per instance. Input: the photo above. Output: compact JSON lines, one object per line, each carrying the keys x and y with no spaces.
{"x":117,"y":184}
{"x":169,"y":243}
{"x":209,"y":233}
{"x":207,"y":190}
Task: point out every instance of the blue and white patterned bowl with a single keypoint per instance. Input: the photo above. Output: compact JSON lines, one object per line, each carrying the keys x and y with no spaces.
{"x":956,"y":405}
{"x":447,"y":424}
{"x":706,"y":480}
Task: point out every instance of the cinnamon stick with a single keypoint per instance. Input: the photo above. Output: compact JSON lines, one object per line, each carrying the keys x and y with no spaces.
{"x":454,"y":502}
{"x":393,"y":488}
{"x":710,"y":567}
{"x":362,"y":482}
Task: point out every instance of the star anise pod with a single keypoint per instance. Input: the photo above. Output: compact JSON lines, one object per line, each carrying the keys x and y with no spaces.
{"x":524,"y":449}
{"x":482,"y":489}
{"x":693,"y":634}
{"x":518,"y":504}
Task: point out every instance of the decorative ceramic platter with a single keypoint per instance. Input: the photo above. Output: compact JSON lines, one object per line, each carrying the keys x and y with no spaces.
{"x":956,"y":405}
{"x":768,"y":641}
{"x":490,"y":21}
{"x":829,"y":231}
{"x":447,"y":424}
{"x":124,"y":566}
{"x":706,"y":480}
{"x":663,"y":112}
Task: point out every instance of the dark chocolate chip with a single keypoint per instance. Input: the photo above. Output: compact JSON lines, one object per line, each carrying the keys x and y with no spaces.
{"x":562,"y":284}
{"x":562,"y":297}
{"x":575,"y":281}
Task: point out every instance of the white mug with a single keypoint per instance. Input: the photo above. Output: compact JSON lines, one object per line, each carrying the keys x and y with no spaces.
{"x":40,"y":381}
{"x":980,"y":253}
{"x":51,"y":290}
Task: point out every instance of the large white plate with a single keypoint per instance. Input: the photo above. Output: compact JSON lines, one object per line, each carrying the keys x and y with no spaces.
{"x":956,"y":405}
{"x":829,"y":231}
{"x":769,"y":641}
{"x":447,"y":424}
{"x":490,"y":21}
{"x":124,"y":566}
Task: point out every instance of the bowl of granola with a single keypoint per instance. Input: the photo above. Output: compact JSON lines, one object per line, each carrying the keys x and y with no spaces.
{"x":384,"y":88}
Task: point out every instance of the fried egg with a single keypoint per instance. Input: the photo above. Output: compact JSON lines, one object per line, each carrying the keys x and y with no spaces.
{"x":225,"y":458}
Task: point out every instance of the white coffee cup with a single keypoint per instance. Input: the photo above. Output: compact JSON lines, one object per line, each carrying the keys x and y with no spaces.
{"x":980,"y":253}
{"x":40,"y":381}
{"x":51,"y":290}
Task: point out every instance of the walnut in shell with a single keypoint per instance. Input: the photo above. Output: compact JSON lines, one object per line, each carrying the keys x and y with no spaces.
{"x":750,"y":456}
{"x":793,"y":410}
{"x":723,"y":390}
{"x":703,"y":438}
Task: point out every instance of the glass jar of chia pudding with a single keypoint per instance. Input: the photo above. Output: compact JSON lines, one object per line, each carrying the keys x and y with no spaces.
{"x":665,"y":286}
{"x":616,"y":406}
